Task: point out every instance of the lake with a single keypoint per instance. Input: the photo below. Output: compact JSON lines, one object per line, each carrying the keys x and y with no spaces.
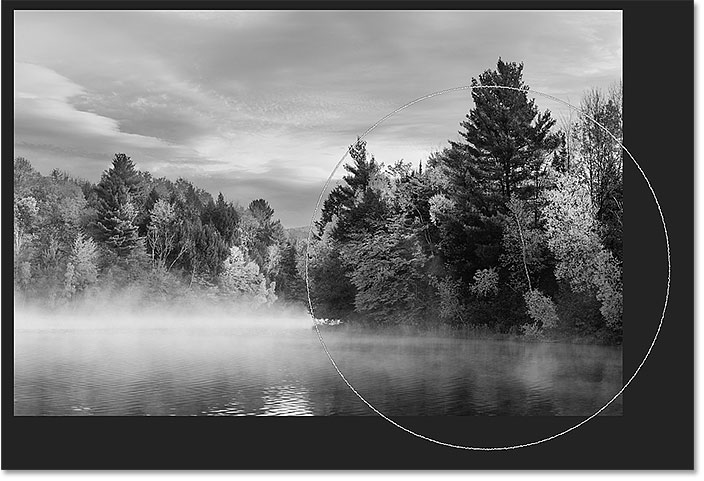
{"x":270,"y":371}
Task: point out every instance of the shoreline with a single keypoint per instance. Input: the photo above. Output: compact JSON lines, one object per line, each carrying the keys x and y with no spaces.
{"x":464,"y":333}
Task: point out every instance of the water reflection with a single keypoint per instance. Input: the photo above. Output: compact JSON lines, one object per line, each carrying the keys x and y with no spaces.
{"x":235,"y":372}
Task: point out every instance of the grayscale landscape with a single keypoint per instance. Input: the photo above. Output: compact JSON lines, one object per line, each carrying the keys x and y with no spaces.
{"x":171,"y":257}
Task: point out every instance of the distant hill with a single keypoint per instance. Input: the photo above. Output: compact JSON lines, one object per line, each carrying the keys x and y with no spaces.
{"x":296,"y":233}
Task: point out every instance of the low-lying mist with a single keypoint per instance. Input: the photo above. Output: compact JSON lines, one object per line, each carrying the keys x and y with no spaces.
{"x":122,"y":310}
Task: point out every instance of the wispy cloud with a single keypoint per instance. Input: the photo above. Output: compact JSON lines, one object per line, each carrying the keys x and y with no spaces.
{"x":263,"y":104}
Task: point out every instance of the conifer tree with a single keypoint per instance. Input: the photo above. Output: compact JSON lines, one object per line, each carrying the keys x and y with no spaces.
{"x":504,"y":147}
{"x":505,"y":136}
{"x":353,"y":203}
{"x":289,"y":283}
{"x":116,"y":212}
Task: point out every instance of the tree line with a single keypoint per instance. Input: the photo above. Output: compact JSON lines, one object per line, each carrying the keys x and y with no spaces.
{"x":151,"y":238}
{"x":516,"y":227}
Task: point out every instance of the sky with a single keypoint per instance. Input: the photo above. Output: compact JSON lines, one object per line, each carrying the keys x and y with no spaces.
{"x":263,"y":104}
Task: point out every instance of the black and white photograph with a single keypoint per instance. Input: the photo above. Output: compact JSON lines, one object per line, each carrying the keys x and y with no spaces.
{"x":398,"y":215}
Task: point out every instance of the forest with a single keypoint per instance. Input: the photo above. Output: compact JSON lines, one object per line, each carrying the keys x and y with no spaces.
{"x":514,"y":229}
{"x":144,"y":239}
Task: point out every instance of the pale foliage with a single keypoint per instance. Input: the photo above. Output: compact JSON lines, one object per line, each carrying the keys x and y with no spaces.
{"x":381,"y":183}
{"x":486,"y":282}
{"x":582,"y":259}
{"x":523,"y":244}
{"x":82,"y":267}
{"x":241,"y":278}
{"x":440,"y":205}
{"x":541,"y":309}
{"x":25,"y":216}
{"x":239,"y":275}
{"x":272,"y":267}
{"x":161,"y":233}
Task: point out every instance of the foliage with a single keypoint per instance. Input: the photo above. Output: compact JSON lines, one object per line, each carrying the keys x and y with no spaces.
{"x":240,"y":275}
{"x":355,"y":204}
{"x":290,"y":285}
{"x":532,"y":331}
{"x":386,"y":269}
{"x":599,"y":161}
{"x":582,"y":260}
{"x":84,"y":262}
{"x":541,"y":309}
{"x":331,"y":291}
{"x":118,"y":187}
{"x":486,"y":282}
{"x":525,"y":254}
{"x":162,"y":232}
{"x":74,"y":239}
{"x":451,"y":307}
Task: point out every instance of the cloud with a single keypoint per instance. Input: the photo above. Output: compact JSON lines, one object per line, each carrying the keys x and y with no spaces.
{"x":46,"y":118}
{"x":270,"y":100}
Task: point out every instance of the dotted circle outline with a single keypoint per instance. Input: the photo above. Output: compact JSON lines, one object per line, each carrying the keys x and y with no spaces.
{"x":516,"y":446}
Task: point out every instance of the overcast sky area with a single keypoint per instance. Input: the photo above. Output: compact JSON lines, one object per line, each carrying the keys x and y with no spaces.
{"x":264,"y":104}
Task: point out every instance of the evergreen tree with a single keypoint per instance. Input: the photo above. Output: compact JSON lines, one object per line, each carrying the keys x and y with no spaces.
{"x":262,"y":233}
{"x":223,"y":216}
{"x":290,"y":285}
{"x":502,"y":154}
{"x":504,"y":135}
{"x":116,"y":212}
{"x":353,"y":203}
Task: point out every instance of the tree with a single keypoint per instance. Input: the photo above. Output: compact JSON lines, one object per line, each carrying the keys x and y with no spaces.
{"x":503,"y":154}
{"x":204,"y":249}
{"x":116,"y":212}
{"x":241,"y":278}
{"x":223,"y":216}
{"x":259,"y":232}
{"x":505,"y":137}
{"x":82,"y":267}
{"x":289,"y":283}
{"x":600,"y":161}
{"x":387,"y":270}
{"x":162,"y":232}
{"x":239,"y":275}
{"x":582,"y":260}
{"x":25,"y":177}
{"x":353,"y":203}
{"x":331,"y":292}
{"x":525,"y":252}
{"x":25,"y":218}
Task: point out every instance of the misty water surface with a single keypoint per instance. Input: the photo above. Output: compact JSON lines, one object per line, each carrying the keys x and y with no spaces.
{"x":270,"y":369}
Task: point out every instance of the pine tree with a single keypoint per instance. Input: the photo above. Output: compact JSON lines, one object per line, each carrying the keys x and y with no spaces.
{"x":289,"y":284}
{"x":261,"y":232}
{"x":223,"y":216}
{"x":505,"y":137}
{"x":504,"y":147}
{"x":353,"y":203}
{"x":116,"y":212}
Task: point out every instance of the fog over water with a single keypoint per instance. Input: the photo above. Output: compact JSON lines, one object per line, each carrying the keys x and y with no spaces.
{"x":163,"y":361}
